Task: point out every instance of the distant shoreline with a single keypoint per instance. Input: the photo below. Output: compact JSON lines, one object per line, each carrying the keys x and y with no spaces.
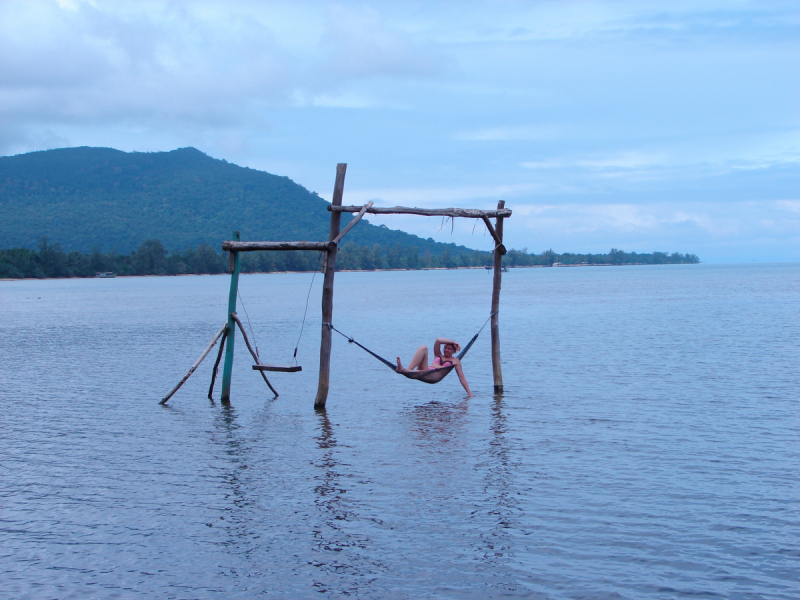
{"x":509,"y":268}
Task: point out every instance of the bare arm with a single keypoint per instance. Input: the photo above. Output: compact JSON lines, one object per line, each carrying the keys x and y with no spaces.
{"x":437,"y":345}
{"x":461,"y":377}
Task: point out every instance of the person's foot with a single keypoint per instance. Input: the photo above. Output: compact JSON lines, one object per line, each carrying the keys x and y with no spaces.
{"x":399,"y":364}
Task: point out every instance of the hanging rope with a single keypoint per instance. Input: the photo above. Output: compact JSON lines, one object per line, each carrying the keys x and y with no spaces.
{"x":249,"y":325}
{"x":352,"y":341}
{"x":297,"y":345}
{"x":305,"y":313}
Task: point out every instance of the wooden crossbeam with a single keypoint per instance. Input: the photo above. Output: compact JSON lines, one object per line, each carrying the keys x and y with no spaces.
{"x":231,"y":246}
{"x":469,"y":213}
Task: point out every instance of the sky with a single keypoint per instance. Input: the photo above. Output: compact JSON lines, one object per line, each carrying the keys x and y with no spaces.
{"x":644,"y":126}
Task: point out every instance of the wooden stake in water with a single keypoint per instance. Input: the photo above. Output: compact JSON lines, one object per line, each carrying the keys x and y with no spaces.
{"x":498,"y":268}
{"x":327,"y":294}
{"x":225,"y":397}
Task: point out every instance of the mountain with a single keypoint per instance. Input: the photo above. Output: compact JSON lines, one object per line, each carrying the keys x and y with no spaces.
{"x":82,"y":197}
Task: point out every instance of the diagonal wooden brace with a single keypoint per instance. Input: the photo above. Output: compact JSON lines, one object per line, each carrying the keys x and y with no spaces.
{"x":355,"y":220}
{"x":249,"y":347}
{"x":499,"y":247}
{"x":195,"y":365}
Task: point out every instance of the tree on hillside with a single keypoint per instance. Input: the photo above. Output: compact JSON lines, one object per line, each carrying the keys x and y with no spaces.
{"x":52,"y":259}
{"x":150,"y":258}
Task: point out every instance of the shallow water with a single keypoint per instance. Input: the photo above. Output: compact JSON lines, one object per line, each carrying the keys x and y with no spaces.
{"x":645,"y":445}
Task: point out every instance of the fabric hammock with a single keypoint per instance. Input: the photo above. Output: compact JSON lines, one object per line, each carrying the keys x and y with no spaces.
{"x":417,"y":375}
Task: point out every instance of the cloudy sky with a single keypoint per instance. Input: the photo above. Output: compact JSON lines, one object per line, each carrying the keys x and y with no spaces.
{"x":646,"y":125}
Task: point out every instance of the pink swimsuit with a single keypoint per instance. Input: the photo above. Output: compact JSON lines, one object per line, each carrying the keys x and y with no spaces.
{"x":437,"y":363}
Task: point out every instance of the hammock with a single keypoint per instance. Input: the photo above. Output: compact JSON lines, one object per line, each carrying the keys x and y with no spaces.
{"x":423,"y":376}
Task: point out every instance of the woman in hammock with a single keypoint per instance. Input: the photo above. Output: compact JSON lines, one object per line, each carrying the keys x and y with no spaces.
{"x":443,"y":362}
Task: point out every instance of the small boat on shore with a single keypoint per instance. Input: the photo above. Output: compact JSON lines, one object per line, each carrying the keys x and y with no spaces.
{"x":106,"y":275}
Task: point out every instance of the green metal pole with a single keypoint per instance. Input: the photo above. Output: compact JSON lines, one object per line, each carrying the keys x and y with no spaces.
{"x":226,"y":373}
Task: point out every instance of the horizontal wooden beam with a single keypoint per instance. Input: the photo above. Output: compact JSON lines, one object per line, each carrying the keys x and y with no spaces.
{"x":230,"y":246}
{"x":470,"y":213}
{"x":352,"y":223}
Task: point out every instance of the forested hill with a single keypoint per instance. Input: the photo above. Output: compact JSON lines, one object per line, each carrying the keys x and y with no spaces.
{"x":82,"y":197}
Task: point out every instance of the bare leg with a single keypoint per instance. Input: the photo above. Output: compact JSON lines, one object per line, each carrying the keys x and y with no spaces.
{"x":418,"y":361}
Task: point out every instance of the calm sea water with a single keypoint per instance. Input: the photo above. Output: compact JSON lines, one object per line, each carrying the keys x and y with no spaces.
{"x":646,"y":445}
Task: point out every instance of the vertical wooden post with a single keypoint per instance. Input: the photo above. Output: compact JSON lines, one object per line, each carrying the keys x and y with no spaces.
{"x":498,"y":271}
{"x":327,"y":294}
{"x":225,"y":396}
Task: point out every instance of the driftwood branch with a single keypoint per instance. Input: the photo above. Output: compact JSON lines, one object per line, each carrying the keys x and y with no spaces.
{"x":195,"y":365}
{"x":231,"y":246}
{"x":216,"y":363}
{"x":499,"y":247}
{"x":426,"y":212}
{"x":253,"y":352}
{"x":352,"y":223}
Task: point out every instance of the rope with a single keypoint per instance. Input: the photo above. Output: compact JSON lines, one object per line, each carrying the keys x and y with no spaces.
{"x":352,"y":341}
{"x":297,"y":345}
{"x":255,"y":342}
{"x":484,"y":323}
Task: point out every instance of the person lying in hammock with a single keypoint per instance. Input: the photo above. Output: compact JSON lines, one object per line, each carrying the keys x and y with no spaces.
{"x":443,"y":363}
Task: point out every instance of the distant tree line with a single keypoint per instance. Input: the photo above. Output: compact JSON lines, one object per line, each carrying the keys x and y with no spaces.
{"x":521,"y":258}
{"x":151,"y":258}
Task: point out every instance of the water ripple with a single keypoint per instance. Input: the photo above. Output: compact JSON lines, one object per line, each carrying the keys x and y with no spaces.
{"x":645,"y":445}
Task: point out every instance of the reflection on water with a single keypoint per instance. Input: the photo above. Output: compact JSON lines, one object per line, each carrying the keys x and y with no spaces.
{"x":503,"y":504}
{"x":229,"y":438}
{"x":340,"y":549}
{"x":230,"y":460}
{"x":329,"y":490}
{"x":438,"y":425}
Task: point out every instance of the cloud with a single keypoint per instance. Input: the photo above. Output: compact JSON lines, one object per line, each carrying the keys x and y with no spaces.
{"x":631,"y":160}
{"x":429,"y":197}
{"x":627,"y":160}
{"x":580,"y":20}
{"x":719,"y":231}
{"x":700,"y":227}
{"x":359,"y":43}
{"x":514,"y":133}
{"x":190,"y":65}
{"x":93,"y":65}
{"x":789,"y":205}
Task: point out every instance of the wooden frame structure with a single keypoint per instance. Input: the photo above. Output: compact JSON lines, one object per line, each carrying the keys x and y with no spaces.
{"x":330,"y":248}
